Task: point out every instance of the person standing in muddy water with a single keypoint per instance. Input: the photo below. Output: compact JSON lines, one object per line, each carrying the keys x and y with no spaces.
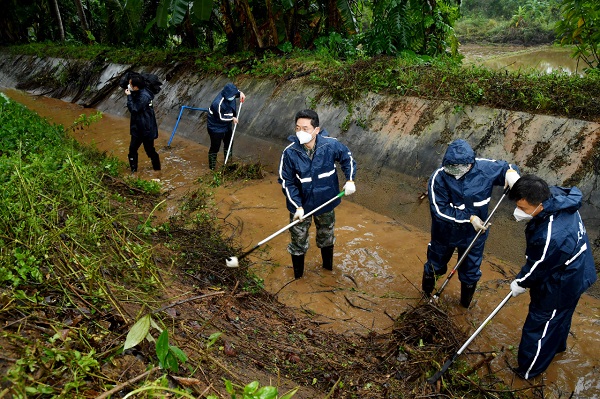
{"x":559,"y":268}
{"x":308,"y":178}
{"x":222,"y":115}
{"x":459,"y":195}
{"x":142,"y":125}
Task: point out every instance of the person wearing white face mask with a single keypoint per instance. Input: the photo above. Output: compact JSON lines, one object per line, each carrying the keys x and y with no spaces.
{"x":308,"y":178}
{"x":459,"y":195}
{"x":559,"y":267}
{"x":222,"y":115}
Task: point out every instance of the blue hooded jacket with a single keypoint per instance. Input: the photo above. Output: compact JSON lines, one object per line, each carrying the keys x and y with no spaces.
{"x":310,"y":183}
{"x":222,"y":110}
{"x":559,"y":265}
{"x":452,"y":201}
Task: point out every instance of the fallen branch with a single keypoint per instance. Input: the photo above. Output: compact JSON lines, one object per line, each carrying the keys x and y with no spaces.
{"x":126,"y":383}
{"x":188,"y":300}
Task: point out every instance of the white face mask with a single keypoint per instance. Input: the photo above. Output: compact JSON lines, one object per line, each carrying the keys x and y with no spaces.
{"x":457,"y":170}
{"x":130,"y":87}
{"x":230,"y":98}
{"x":521,"y":215}
{"x":304,"y":137}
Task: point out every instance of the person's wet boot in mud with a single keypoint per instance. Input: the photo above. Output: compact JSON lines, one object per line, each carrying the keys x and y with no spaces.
{"x":212,"y":161}
{"x":155,"y":162}
{"x":133,"y":162}
{"x":428,"y":284}
{"x":298,"y":264}
{"x":466,"y":294}
{"x":327,"y":255}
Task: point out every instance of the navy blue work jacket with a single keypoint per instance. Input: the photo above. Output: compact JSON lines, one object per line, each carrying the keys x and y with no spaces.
{"x":222,"y":111}
{"x":142,"y":123}
{"x":309,"y":183}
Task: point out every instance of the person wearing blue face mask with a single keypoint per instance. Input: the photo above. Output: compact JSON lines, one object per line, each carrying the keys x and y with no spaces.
{"x":222,"y":115}
{"x":559,"y":267}
{"x":459,"y":195}
{"x":308,"y":178}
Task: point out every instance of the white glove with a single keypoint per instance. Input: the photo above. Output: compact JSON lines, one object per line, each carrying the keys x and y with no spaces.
{"x":477,"y":223}
{"x":349,"y":188}
{"x":510,"y":178}
{"x":516,"y":288}
{"x":299,"y":214}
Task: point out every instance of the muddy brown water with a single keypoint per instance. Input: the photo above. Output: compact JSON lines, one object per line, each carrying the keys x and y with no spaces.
{"x":377,"y":262}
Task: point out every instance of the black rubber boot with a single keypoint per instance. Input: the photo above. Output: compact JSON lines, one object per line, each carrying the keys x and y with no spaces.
{"x":156,"y":162}
{"x":212,"y":161}
{"x":133,"y":163}
{"x":327,"y":255}
{"x":466,"y":294}
{"x":298,"y":263}
{"x":428,"y":283}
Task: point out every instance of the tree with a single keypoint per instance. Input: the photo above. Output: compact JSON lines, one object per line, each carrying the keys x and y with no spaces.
{"x":580,"y":26}
{"x":56,"y":10}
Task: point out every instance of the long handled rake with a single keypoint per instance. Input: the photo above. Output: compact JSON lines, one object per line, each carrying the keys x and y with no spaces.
{"x":233,"y":134}
{"x":436,"y":296}
{"x":233,"y":261}
{"x":432,"y":380}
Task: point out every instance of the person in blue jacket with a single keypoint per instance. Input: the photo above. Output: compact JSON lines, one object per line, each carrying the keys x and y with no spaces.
{"x":308,"y":178}
{"x":559,"y":267}
{"x":222,"y":115}
{"x":142,"y":125}
{"x":459,"y":195}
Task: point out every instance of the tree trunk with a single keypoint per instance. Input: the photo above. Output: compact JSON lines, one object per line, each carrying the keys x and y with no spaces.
{"x":255,"y":30}
{"x":273,"y":37}
{"x":56,"y":10}
{"x":82,"y":19}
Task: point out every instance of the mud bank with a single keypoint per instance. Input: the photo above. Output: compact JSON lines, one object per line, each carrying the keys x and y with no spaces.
{"x":398,"y":141}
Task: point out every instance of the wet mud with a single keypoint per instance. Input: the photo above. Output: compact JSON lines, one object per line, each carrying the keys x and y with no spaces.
{"x":377,"y":260}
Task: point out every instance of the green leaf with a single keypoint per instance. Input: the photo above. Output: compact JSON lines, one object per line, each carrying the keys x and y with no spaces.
{"x":180,"y":9}
{"x":229,"y":387}
{"x":162,"y":13}
{"x":212,"y":339}
{"x":171,"y":363}
{"x":289,"y":394}
{"x":287,"y":4}
{"x":251,"y":387}
{"x":137,"y":332}
{"x":267,"y":392}
{"x":162,"y":346}
{"x":179,"y":354}
{"x":201,"y":9}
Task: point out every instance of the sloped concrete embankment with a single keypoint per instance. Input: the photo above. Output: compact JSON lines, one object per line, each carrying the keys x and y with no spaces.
{"x":398,"y":141}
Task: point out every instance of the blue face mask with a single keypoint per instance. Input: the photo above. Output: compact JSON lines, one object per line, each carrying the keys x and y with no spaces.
{"x":230,"y":98}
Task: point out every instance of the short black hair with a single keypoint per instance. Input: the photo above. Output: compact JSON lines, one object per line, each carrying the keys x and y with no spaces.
{"x":138,"y":81}
{"x":531,"y":188}
{"x":308,"y":114}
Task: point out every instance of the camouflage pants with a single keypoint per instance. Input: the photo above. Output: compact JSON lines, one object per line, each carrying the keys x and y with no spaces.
{"x":299,"y":232}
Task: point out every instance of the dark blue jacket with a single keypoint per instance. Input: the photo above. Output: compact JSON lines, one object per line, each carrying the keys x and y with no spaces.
{"x":452,"y":201}
{"x":309,"y":183}
{"x":559,"y":265}
{"x":222,"y":110}
{"x":142,"y":123}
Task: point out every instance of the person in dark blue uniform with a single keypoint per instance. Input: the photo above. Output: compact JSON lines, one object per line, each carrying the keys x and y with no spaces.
{"x":559,"y":267}
{"x":308,"y":178}
{"x":222,"y":115}
{"x":142,"y":124}
{"x":459,"y":196}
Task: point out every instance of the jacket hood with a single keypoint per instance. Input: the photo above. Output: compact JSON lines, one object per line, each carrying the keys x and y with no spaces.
{"x":459,"y":152}
{"x":230,"y":90}
{"x":562,"y":199}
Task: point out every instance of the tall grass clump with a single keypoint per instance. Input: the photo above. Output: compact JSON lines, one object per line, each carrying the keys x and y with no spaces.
{"x":66,"y":256}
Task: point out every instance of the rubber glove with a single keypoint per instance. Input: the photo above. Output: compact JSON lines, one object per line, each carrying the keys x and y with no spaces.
{"x":516,"y":288}
{"x":349,"y":188}
{"x":510,"y":178}
{"x":477,"y":223}
{"x":299,"y":214}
